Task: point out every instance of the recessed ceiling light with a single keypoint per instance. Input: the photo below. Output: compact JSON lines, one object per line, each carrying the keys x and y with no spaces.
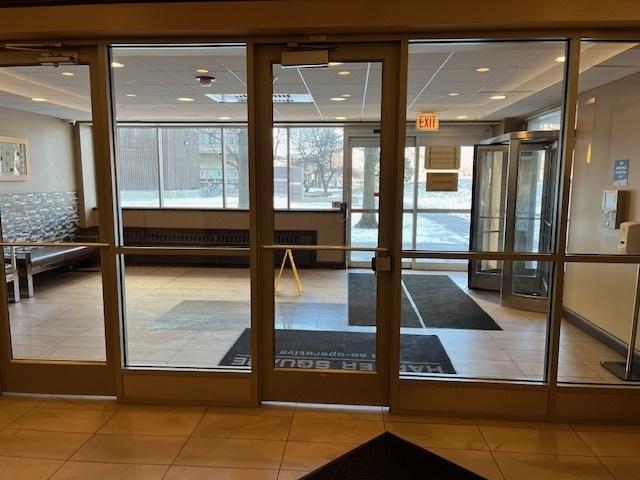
{"x":131,"y":94}
{"x":68,"y":74}
{"x":334,"y":64}
{"x":224,"y":118}
{"x":590,"y":100}
{"x":346,"y":95}
{"x":185,"y":99}
{"x":202,"y":70}
{"x":117,"y":65}
{"x":462,"y":117}
{"x":498,"y":97}
{"x":344,"y":73}
{"x":338,"y":99}
{"x":561,"y":59}
{"x":341,"y":118}
{"x":38,"y":99}
{"x":453,"y":94}
{"x":482,"y":69}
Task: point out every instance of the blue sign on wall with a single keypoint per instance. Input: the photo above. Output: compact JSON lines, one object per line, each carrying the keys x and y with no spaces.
{"x":621,"y":172}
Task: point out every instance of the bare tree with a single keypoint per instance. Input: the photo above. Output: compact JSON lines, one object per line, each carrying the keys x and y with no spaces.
{"x":318,"y":151}
{"x":371,"y":160}
{"x":237,"y":156}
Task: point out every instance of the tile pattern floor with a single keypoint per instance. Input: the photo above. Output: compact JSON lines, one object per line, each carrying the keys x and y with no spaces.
{"x":64,"y":321}
{"x":73,"y":438}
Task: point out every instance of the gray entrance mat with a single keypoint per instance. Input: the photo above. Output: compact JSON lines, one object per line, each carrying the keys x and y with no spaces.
{"x":322,"y":350}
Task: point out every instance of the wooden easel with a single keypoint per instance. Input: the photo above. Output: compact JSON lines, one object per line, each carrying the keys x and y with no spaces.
{"x":289,"y":254}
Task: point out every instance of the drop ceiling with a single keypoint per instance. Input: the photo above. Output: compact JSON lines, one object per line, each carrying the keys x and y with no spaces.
{"x":151,"y":80}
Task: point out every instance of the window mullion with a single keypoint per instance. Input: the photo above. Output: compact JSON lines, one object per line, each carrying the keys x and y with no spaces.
{"x":160,"y":168}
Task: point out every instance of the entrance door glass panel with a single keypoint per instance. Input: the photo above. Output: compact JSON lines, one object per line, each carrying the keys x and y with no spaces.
{"x":365,"y":186}
{"x":56,"y":307}
{"x":325,"y":313}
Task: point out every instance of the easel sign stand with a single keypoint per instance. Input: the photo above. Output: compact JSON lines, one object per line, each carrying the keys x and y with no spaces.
{"x":289,"y":254}
{"x":624,"y":370}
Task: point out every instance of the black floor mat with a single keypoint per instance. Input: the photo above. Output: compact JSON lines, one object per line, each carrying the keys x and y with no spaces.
{"x":311,"y":349}
{"x":443,"y":304}
{"x":362,"y":303}
{"x":389,"y":457}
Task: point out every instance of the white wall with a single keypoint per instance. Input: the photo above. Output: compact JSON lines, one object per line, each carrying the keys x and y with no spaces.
{"x":609,"y":128}
{"x":50,"y":150}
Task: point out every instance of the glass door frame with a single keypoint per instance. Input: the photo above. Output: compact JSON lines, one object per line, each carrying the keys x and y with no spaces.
{"x":71,"y":376}
{"x":373,"y":388}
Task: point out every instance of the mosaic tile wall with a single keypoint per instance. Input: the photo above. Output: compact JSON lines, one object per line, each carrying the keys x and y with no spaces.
{"x":39,"y":216}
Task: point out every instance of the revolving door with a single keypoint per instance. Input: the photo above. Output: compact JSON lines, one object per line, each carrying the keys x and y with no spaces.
{"x":513,"y":208}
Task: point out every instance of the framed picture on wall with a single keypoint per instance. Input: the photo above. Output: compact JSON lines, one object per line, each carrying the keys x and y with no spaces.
{"x":14,"y":159}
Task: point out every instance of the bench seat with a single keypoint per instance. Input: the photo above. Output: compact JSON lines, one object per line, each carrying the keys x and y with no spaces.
{"x":41,"y":259}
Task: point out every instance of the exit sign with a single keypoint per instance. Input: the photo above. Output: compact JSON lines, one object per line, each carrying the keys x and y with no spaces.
{"x":428,"y":121}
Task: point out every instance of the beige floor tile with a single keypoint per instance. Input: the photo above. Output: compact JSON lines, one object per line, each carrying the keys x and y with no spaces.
{"x":235,"y":453}
{"x":63,"y":420}
{"x":50,"y":445}
{"x":307,"y":456}
{"x":10,"y":413}
{"x":516,"y":466}
{"x":275,"y":409}
{"x":258,"y":427}
{"x":154,"y":421}
{"x":534,"y":440}
{"x":463,"y":437}
{"x":109,"y":471}
{"x":342,"y":412}
{"x":144,"y":449}
{"x":80,"y":403}
{"x":334,"y":430}
{"x":392,"y":417}
{"x":20,"y":400}
{"x":478,"y":462}
{"x":218,"y":473}
{"x":27,"y":468}
{"x":290,"y":475}
{"x":623,"y":468}
{"x":612,"y":444}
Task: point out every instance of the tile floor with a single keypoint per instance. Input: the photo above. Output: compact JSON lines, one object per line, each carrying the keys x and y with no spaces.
{"x":64,"y":321}
{"x":89,"y":438}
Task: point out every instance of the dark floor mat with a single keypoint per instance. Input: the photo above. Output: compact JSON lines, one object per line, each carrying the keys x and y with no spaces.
{"x":443,"y":304}
{"x":362,"y":303}
{"x":311,"y":349}
{"x":389,"y":457}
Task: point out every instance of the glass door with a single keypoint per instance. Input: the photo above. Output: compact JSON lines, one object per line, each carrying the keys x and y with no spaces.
{"x":363,"y":204}
{"x":526,"y":284}
{"x":324,"y":326}
{"x":57,"y":332}
{"x":488,"y":214}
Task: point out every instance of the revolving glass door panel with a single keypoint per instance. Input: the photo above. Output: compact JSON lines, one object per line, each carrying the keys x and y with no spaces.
{"x":526,"y":284}
{"x":488,"y":214}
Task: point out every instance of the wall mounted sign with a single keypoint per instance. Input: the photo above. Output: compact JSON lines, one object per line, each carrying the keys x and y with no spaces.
{"x":621,"y":172}
{"x":442,"y":157}
{"x":14,"y":159}
{"x":442,"y":182}
{"x":427,"y":121}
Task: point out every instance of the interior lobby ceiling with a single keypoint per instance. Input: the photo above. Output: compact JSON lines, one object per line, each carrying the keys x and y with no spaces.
{"x":442,"y":77}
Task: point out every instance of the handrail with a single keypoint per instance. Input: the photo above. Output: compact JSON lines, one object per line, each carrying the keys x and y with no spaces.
{"x":326,"y":247}
{"x":54,"y":244}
